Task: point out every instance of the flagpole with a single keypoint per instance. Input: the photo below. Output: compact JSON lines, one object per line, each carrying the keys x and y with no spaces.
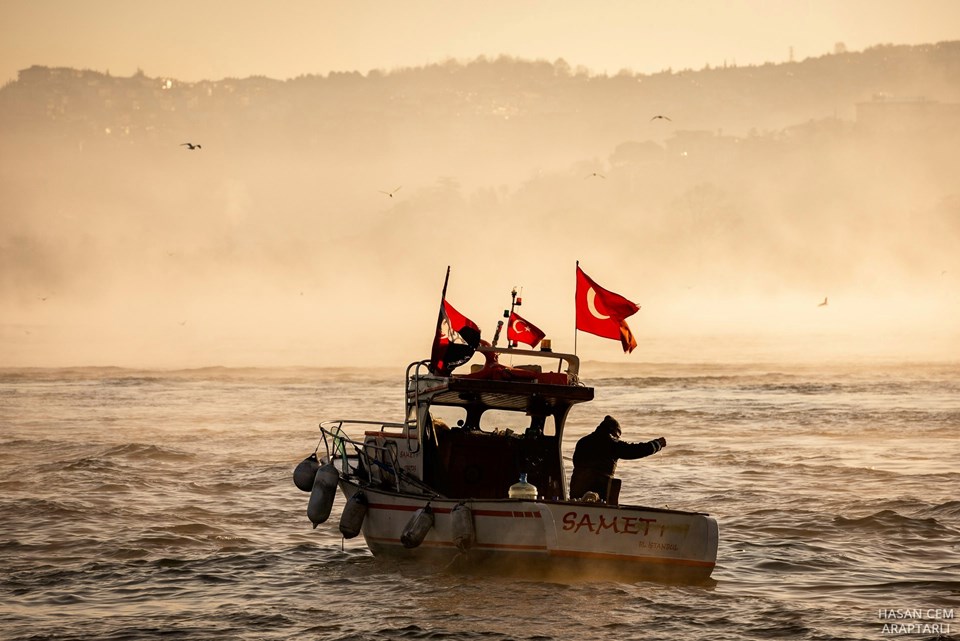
{"x":443,"y":297}
{"x":436,"y":333}
{"x":513,"y":304}
{"x":506,"y":314}
{"x":446,"y":279}
{"x":575,"y":314}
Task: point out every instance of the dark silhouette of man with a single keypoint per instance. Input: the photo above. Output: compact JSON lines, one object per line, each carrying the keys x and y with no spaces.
{"x":596,"y":455}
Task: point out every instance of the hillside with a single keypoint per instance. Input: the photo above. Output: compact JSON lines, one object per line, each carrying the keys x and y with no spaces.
{"x":767,"y":182}
{"x":535,"y":113}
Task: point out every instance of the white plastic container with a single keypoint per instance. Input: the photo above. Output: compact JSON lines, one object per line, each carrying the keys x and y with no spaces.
{"x":523,"y":490}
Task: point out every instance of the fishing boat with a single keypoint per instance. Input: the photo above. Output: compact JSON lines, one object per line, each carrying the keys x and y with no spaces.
{"x":473,"y":477}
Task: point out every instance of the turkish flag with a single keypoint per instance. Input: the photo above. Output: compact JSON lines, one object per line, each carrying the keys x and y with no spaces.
{"x":604,"y":313}
{"x":520,"y":330}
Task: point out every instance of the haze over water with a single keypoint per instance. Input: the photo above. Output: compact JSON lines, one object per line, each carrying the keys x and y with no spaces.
{"x":174,"y":323}
{"x":778,"y":181}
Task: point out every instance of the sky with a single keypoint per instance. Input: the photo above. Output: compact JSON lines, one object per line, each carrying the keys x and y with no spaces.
{"x":193,"y":40}
{"x":215,"y":39}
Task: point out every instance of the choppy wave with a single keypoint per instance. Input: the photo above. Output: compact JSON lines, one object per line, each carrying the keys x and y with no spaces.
{"x":138,"y":504}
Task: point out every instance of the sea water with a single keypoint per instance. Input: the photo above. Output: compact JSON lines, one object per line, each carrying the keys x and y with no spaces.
{"x":148,"y":504}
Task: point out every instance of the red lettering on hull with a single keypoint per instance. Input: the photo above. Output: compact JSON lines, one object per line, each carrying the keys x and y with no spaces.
{"x":618,"y":524}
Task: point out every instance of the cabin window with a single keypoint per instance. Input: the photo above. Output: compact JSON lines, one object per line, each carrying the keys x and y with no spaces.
{"x":492,"y":420}
{"x":448,"y":416}
{"x":500,"y":421}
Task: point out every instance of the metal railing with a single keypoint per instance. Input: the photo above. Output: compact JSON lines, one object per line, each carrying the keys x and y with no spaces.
{"x":368,"y":455}
{"x":336,"y":441}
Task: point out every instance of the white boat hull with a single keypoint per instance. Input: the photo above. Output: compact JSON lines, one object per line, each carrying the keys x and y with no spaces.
{"x":549,"y":537}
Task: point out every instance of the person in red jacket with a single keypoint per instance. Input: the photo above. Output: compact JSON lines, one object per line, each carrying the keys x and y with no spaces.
{"x":596,"y":455}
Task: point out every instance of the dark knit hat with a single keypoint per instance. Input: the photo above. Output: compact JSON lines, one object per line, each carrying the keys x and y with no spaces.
{"x":610,"y":425}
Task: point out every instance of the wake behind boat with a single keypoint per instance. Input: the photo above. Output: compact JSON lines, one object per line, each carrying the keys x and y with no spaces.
{"x":473,"y":476}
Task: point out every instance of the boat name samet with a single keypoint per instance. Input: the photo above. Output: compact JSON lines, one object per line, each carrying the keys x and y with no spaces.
{"x":574,"y":521}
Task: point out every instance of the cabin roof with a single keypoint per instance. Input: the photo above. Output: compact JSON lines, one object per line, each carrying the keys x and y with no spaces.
{"x":507,"y":395}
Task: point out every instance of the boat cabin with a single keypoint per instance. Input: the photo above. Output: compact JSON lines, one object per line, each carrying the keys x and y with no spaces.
{"x":472,"y":435}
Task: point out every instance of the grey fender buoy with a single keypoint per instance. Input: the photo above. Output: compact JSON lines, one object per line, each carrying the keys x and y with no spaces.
{"x":351,"y":519}
{"x":418,"y":526}
{"x":322,"y":494}
{"x":306,"y":472}
{"x":464,"y":534}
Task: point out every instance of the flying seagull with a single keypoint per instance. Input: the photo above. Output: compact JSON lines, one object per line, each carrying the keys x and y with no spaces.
{"x":824,"y":303}
{"x":391,"y":193}
{"x":189,"y":145}
{"x":659,"y":116}
{"x":598,"y":175}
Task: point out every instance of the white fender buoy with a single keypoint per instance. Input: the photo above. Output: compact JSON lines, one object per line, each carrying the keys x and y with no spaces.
{"x":306,"y":472}
{"x":322,"y":494}
{"x":351,"y":519}
{"x":464,"y":534}
{"x":418,"y":526}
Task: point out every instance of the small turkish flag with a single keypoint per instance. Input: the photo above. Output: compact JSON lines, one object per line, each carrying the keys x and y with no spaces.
{"x":520,"y":330}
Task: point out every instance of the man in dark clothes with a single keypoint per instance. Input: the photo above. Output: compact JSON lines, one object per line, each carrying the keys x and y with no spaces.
{"x":595,"y":458}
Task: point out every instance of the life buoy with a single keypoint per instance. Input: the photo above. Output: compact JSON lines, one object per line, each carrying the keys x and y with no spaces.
{"x":491,"y":362}
{"x":494,"y":371}
{"x":491,"y":359}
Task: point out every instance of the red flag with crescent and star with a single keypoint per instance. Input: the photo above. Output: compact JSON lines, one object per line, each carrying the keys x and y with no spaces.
{"x":520,"y":330}
{"x":604,"y":313}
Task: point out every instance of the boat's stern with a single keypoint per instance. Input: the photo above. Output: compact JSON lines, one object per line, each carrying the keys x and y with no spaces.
{"x":662,"y":544}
